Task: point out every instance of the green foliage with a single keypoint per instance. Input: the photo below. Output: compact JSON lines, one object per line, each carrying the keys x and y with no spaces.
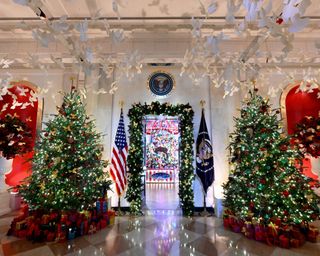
{"x":135,"y":156}
{"x":67,"y":165}
{"x":265,"y":181}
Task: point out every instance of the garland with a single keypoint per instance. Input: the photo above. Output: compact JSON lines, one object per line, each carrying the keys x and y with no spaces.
{"x":135,"y":156}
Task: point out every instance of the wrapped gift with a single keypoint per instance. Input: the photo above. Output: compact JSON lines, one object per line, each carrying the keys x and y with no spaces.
{"x":45,"y":219}
{"x":226,"y":222}
{"x":85,"y":227}
{"x":312,"y":234}
{"x":21,"y":233}
{"x":296,"y":234}
{"x":111,"y":217}
{"x":21,"y":225}
{"x":260,"y":235}
{"x":236,"y":228}
{"x":73,"y":217}
{"x":295,"y":243}
{"x":98,"y":225}
{"x":103,"y":223}
{"x":101,"y":205}
{"x":72,"y":233}
{"x":284,"y":241}
{"x":50,"y":236}
{"x":61,"y":233}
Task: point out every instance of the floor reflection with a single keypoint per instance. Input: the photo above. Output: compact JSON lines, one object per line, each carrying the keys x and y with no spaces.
{"x":159,"y":232}
{"x":162,"y":196}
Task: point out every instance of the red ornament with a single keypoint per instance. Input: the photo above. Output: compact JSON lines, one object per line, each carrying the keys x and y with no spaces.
{"x":262,"y":181}
{"x":283,"y":147}
{"x":279,"y":21}
{"x":285,"y":193}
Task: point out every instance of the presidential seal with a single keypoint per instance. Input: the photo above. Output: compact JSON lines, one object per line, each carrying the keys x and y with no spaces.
{"x":161,"y":83}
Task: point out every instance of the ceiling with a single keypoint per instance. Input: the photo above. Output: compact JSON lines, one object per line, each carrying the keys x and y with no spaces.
{"x":133,"y":8}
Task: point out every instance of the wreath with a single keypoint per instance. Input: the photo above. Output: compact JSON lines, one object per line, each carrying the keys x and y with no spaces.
{"x":307,"y":135}
{"x":15,"y":137}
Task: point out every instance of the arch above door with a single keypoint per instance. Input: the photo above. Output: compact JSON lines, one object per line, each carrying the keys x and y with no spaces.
{"x":24,"y":92}
{"x":294,"y":106}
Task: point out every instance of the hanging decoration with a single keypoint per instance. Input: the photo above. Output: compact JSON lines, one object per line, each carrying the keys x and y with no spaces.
{"x":135,"y":156}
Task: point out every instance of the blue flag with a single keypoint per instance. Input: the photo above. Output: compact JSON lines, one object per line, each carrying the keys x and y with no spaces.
{"x":204,"y":168}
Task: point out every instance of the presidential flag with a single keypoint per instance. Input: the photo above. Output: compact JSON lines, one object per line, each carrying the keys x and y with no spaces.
{"x":204,"y":160}
{"x":119,"y":158}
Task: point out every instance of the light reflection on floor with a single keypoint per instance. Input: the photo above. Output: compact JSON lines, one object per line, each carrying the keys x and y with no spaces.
{"x":162,"y":196}
{"x":159,"y":232}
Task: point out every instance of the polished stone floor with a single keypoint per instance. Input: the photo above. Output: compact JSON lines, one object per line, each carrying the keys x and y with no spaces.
{"x":161,"y":231}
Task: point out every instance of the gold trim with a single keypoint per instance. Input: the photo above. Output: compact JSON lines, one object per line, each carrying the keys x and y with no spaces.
{"x":283,"y":98}
{"x":167,"y":73}
{"x":40,"y":101}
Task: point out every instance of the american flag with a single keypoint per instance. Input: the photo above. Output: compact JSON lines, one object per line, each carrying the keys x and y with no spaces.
{"x":119,"y":158}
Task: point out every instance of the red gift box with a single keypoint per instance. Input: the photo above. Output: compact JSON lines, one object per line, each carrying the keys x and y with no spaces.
{"x":284,"y":241}
{"x":21,"y":233}
{"x":111,"y":217}
{"x":103,"y":223}
{"x":313,"y":232}
{"x":260,"y":235}
{"x":236,"y":228}
{"x":50,"y":236}
{"x":295,"y":243}
{"x":226,"y":222}
{"x":45,"y":219}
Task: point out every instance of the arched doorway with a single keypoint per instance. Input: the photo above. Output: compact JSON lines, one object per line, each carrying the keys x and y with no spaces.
{"x":20,"y":101}
{"x":294,"y":106}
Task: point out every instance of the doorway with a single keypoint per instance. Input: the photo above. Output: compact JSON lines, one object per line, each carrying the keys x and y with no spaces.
{"x":161,"y":162}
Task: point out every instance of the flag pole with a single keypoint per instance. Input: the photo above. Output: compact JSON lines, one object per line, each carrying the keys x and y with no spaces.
{"x":204,"y":213}
{"x":120,"y":213}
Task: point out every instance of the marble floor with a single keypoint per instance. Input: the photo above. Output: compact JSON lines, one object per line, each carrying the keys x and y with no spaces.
{"x":161,"y":231}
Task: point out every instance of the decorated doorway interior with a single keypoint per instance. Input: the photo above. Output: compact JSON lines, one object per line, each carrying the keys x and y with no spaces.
{"x":295,"y":106}
{"x":21,"y":101}
{"x":135,"y":161}
{"x":161,"y":138}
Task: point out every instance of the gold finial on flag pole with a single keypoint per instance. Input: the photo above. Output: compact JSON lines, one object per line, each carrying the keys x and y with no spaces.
{"x":121,"y":103}
{"x":72,"y":85}
{"x":202,"y":103}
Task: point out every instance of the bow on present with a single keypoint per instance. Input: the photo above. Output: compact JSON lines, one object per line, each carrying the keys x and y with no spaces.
{"x":273,"y":228}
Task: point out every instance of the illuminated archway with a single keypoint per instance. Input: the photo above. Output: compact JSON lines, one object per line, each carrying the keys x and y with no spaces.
{"x":31,"y":114}
{"x":295,"y":106}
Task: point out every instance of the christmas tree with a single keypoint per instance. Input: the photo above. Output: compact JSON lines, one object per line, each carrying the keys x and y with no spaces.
{"x":67,"y":169}
{"x":266,"y":182}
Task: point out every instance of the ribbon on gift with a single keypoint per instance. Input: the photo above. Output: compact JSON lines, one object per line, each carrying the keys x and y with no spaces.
{"x":273,"y":228}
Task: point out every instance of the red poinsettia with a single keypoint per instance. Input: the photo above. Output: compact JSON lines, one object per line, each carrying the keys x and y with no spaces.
{"x":15,"y":137}
{"x":307,"y":135}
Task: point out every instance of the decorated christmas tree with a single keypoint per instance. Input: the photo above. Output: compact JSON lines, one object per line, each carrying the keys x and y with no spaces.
{"x":67,"y":169}
{"x":266,"y":182}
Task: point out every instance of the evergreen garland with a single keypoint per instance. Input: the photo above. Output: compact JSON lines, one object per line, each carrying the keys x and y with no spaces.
{"x":135,"y":156}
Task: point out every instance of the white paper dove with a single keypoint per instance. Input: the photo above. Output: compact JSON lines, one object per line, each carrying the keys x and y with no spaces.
{"x":82,"y":28}
{"x":232,"y":9}
{"x":43,"y":37}
{"x":61,"y":25}
{"x":213,"y":6}
{"x":117,"y":35}
{"x":5,"y":63}
{"x":21,"y":2}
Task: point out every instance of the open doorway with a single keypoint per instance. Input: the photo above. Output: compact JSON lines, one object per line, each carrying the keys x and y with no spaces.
{"x":161,"y":162}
